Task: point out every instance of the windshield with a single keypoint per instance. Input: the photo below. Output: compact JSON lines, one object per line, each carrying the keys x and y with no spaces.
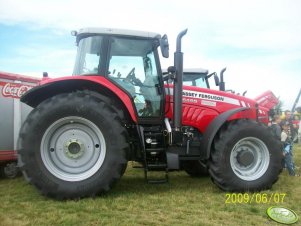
{"x":88,"y":59}
{"x":195,"y":79}
{"x":133,"y":66}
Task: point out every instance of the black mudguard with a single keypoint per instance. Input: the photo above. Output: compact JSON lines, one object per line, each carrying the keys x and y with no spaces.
{"x":40,"y":93}
{"x":213,"y":128}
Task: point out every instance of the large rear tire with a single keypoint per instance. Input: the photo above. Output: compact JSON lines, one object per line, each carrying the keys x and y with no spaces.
{"x":245,"y":157}
{"x":72,"y":146}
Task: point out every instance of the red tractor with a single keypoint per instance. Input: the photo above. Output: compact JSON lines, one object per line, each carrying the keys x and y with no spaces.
{"x":118,"y":107}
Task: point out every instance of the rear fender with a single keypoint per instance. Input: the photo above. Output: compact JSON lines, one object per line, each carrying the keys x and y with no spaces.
{"x":70,"y":84}
{"x":214,"y":127}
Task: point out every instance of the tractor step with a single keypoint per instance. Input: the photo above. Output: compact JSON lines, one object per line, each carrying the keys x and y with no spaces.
{"x":155,"y":150}
{"x":156,"y":180}
{"x":155,"y":156}
{"x":157,"y":166}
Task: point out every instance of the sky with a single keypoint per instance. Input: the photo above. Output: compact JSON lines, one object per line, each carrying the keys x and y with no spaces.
{"x":258,"y":41}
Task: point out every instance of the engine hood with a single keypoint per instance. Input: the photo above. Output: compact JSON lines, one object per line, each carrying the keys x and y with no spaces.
{"x":219,"y":100}
{"x":267,"y":100}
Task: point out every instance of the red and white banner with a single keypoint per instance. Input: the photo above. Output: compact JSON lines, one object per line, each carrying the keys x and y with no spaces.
{"x":14,"y":90}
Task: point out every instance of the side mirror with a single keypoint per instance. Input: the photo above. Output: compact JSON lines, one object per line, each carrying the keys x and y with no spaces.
{"x":216,"y":80}
{"x":164,"y":46}
{"x":171,"y":69}
{"x":169,"y":74}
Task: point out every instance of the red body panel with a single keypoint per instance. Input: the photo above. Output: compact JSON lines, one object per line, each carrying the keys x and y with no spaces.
{"x":267,"y":100}
{"x":8,"y":155}
{"x":104,"y":82}
{"x":201,"y":106}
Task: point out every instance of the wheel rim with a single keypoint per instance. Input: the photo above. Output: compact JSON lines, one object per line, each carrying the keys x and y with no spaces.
{"x":73,"y":148}
{"x":249,"y":158}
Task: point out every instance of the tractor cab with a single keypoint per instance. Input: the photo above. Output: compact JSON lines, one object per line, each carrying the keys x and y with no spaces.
{"x":195,"y":77}
{"x":198,"y":77}
{"x":129,"y":59}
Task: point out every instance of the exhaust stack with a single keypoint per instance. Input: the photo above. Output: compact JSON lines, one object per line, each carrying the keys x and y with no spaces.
{"x":222,"y":83}
{"x":178,"y":83}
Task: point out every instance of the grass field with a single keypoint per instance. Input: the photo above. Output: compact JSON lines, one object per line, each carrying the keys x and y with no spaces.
{"x":183,"y":201}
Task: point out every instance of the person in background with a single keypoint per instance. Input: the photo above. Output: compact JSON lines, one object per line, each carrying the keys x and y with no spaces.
{"x":287,"y":117}
{"x":296,"y":122}
{"x":288,"y":121}
{"x":275,"y":126}
{"x":287,"y":149}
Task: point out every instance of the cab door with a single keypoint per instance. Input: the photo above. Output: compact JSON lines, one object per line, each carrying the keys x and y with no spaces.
{"x":134,"y":66}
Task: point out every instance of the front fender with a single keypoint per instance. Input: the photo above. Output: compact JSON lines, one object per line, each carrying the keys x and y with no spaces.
{"x":212,"y":129}
{"x":52,"y":87}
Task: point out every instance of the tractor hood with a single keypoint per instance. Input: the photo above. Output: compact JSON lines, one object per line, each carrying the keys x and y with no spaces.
{"x":215,"y":102}
{"x":220,"y":99}
{"x":267,"y":100}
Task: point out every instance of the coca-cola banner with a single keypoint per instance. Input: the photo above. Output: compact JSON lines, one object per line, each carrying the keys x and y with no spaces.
{"x":14,"y":90}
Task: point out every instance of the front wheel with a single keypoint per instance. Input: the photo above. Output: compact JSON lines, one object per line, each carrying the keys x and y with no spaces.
{"x":73,"y":145}
{"x":245,"y":157}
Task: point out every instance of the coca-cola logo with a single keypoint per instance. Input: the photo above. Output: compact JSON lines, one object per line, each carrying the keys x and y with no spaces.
{"x":15,"y":90}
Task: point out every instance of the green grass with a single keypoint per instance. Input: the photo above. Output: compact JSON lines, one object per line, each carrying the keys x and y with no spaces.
{"x":183,"y":201}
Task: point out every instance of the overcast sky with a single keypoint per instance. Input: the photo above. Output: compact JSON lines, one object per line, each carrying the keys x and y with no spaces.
{"x":258,"y":41}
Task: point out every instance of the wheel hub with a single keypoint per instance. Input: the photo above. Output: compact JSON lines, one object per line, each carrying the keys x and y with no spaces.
{"x":249,"y":158}
{"x":245,"y":157}
{"x":74,"y":149}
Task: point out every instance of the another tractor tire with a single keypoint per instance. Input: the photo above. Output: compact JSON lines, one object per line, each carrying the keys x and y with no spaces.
{"x":10,"y":170}
{"x":245,"y":157}
{"x":73,"y":145}
{"x":195,"y":168}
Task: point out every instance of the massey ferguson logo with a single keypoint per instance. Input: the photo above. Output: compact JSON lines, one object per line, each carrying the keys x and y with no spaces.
{"x":14,"y":90}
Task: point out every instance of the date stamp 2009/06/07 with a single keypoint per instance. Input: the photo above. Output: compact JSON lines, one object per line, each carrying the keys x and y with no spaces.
{"x":256,"y":198}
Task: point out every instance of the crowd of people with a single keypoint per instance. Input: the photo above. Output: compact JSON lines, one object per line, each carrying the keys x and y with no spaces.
{"x":286,"y":130}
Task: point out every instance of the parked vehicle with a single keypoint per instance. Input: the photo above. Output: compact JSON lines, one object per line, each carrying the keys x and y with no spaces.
{"x":13,"y":113}
{"x":118,"y":107}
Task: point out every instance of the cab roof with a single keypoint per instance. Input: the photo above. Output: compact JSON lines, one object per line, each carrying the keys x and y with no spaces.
{"x":190,"y":70}
{"x":195,"y":70}
{"x":116,"y":31}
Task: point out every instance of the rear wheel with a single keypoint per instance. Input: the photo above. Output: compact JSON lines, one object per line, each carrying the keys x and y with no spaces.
{"x":245,"y":157}
{"x":73,"y":145}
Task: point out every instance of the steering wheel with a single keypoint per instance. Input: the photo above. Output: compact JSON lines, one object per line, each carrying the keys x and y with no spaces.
{"x":131,"y":77}
{"x":131,"y":74}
